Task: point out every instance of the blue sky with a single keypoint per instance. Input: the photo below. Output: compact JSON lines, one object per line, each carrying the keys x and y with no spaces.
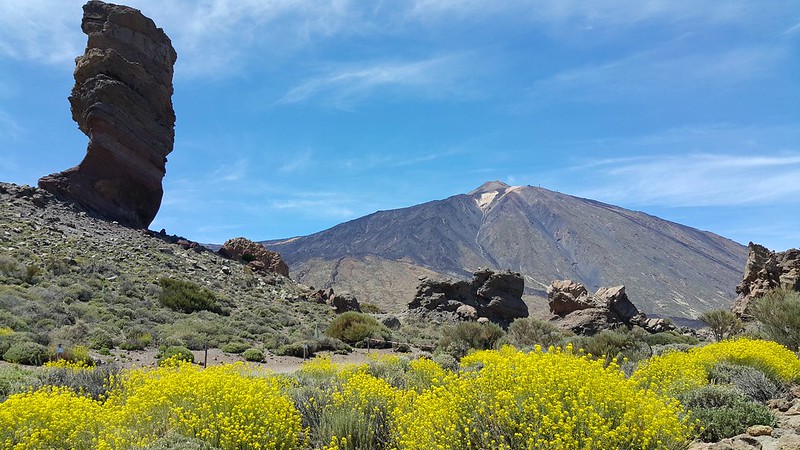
{"x":293,"y":116}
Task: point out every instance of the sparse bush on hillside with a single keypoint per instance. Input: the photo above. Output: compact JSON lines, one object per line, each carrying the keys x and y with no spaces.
{"x":309,"y":347}
{"x":723,"y":323}
{"x":28,"y":353}
{"x":779,"y":315}
{"x":525,"y":333}
{"x":371,"y":308}
{"x":253,"y":354}
{"x":459,"y":339}
{"x":353,"y":327}
{"x":187,"y":297}
{"x":670,"y":338}
{"x":235,"y":347}
{"x":175,"y":353}
{"x":136,"y":338}
{"x":724,"y":411}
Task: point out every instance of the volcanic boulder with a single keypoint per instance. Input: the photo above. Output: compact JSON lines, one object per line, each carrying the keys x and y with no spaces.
{"x":122,"y":101}
{"x":575,"y":310}
{"x":254,"y":255}
{"x":496,"y":296}
{"x":764,"y":271}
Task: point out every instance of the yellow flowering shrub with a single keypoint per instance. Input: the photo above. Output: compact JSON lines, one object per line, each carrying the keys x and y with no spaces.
{"x":51,"y":418}
{"x":67,"y":364}
{"x":538,"y":400}
{"x":678,"y":372}
{"x":360,"y":413}
{"x":220,"y":405}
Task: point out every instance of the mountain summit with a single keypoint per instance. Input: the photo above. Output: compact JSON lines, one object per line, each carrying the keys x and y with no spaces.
{"x":668,"y":269}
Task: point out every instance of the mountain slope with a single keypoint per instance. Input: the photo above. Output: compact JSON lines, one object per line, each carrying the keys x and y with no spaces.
{"x":669,"y":269}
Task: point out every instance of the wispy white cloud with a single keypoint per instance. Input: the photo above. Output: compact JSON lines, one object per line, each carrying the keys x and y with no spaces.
{"x":9,"y":128}
{"x":341,"y":87}
{"x":658,"y":73}
{"x":697,"y":180}
{"x":297,"y":162}
{"x":319,"y":205}
{"x":231,"y":171}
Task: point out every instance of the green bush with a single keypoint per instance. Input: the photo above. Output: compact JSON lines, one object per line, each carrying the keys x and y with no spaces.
{"x":527,"y":332}
{"x":235,"y":347}
{"x":670,"y":338}
{"x":371,"y":308}
{"x":724,"y":411}
{"x":14,"y":379}
{"x":187,"y":297}
{"x":176,"y":441}
{"x":779,"y":315}
{"x":610,"y":344}
{"x":353,"y":327}
{"x":101,"y":339}
{"x":253,"y":354}
{"x":178,"y":352}
{"x":309,"y":347}
{"x":28,"y":353}
{"x":459,"y":339}
{"x":722,"y":322}
{"x":752,"y":382}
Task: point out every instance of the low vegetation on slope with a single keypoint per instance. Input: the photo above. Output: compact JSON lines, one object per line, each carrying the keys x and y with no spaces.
{"x":498,"y":399}
{"x":67,"y":278}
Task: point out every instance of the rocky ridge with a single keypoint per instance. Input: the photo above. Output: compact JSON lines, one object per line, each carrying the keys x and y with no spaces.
{"x":122,"y":101}
{"x":765,"y":271}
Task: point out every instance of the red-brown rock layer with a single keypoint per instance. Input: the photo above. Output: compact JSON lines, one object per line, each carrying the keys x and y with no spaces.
{"x":122,"y":100}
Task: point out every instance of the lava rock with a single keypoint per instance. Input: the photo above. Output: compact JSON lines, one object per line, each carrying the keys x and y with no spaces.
{"x":122,"y":100}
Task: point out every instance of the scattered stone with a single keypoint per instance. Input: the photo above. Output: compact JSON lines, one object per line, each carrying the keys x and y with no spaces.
{"x":765,"y":271}
{"x":391,"y":322}
{"x":495,"y":296}
{"x":759,"y":430}
{"x":254,"y":255}
{"x":122,"y":101}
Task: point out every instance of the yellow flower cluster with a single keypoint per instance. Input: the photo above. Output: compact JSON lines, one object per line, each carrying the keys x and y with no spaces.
{"x":538,"y":400}
{"x":52,"y":418}
{"x":67,"y":364}
{"x":224,"y":405}
{"x":678,"y":372}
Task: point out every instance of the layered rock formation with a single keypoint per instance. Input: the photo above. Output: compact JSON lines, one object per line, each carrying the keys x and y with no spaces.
{"x":765,"y":271}
{"x":496,"y":296}
{"x":254,"y":255}
{"x":122,"y":102}
{"x":575,"y":310}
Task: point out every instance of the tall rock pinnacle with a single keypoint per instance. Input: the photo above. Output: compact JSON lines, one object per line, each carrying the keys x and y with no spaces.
{"x":122,"y":100}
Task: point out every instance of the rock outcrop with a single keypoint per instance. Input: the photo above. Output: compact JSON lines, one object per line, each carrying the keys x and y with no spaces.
{"x":254,"y":255}
{"x":340,"y":303}
{"x":122,"y":100}
{"x":575,"y":310}
{"x":496,"y":296}
{"x":765,"y":271}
